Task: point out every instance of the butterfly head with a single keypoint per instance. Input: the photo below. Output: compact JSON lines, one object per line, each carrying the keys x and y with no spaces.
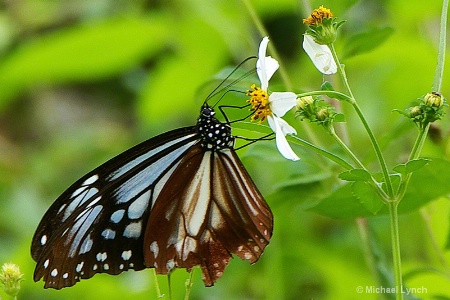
{"x":215,"y":135}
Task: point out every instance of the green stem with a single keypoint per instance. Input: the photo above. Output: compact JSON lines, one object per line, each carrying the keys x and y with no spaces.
{"x":383,"y":165}
{"x":189,"y":283}
{"x":439,"y":74}
{"x":169,"y":283}
{"x":331,"y":94}
{"x":345,"y":148}
{"x":395,"y":241}
{"x":322,"y":152}
{"x":415,"y":153}
{"x":350,"y":153}
{"x":158,"y":289}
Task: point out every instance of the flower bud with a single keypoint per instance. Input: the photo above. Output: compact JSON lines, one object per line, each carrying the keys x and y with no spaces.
{"x":303,"y":102}
{"x":10,"y":278}
{"x":415,"y":111}
{"x":322,"y":26}
{"x":434,"y":99}
{"x":322,"y":114}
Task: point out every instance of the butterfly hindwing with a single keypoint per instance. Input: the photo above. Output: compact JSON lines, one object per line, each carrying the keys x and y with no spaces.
{"x":96,"y":225}
{"x":202,"y":222}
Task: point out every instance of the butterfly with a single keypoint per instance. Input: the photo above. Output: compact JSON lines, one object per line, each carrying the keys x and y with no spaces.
{"x":178,"y":200}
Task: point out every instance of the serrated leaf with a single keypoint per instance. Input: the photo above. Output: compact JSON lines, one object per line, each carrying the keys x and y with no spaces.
{"x":355,"y":175}
{"x":366,"y":41}
{"x":411,"y":166}
{"x":367,"y":196}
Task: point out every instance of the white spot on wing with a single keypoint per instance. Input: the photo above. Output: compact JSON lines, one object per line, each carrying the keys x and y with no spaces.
{"x":65,"y":275}
{"x":138,"y":207}
{"x":87,"y":245}
{"x":154,"y":248}
{"x":101,"y":256}
{"x":44,"y":239}
{"x":190,"y":245}
{"x":46,"y":263}
{"x":126,"y":255}
{"x":170,"y":264}
{"x":79,"y":266}
{"x":91,"y":180}
{"x":133,"y":230}
{"x":117,"y":216}
{"x":108,"y":234}
{"x":54,"y":273}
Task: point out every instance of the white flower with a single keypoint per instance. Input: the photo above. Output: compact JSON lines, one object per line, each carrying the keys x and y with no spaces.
{"x":279,"y":102}
{"x":320,"y":55}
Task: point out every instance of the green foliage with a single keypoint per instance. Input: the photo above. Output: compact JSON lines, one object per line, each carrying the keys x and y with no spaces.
{"x":82,"y":81}
{"x":366,"y":41}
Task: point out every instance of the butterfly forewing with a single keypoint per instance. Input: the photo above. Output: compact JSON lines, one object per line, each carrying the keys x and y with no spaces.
{"x":97,"y":224}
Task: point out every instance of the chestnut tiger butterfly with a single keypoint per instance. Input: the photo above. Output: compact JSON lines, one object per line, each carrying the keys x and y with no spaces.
{"x":178,"y":200}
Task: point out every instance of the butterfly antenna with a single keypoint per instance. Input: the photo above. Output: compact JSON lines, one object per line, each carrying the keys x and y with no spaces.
{"x":220,"y":88}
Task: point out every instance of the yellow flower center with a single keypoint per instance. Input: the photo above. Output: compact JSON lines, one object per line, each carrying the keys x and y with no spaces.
{"x":318,"y":15}
{"x":259,"y":100}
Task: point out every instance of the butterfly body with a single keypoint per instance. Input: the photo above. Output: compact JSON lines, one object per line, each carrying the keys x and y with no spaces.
{"x":178,"y":200}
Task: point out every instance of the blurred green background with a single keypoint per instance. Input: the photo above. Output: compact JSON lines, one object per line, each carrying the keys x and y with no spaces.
{"x":81,"y":81}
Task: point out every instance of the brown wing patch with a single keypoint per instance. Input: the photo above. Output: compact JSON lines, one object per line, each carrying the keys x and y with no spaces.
{"x":211,"y":209}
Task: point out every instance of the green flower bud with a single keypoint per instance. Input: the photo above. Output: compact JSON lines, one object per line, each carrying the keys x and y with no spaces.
{"x":303,"y":102}
{"x":10,"y":278}
{"x":434,"y":99}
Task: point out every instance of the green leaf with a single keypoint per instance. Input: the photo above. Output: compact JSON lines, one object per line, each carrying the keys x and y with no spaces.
{"x":341,"y":203}
{"x":411,"y":166}
{"x":340,"y":118}
{"x":326,"y":86}
{"x":83,"y":52}
{"x":366,"y":41}
{"x":426,"y":184}
{"x":355,"y":175}
{"x":367,"y":196}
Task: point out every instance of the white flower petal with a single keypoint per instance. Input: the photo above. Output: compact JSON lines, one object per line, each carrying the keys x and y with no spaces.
{"x":281,"y":127}
{"x":320,"y":55}
{"x":282,"y":102}
{"x":265,"y":65}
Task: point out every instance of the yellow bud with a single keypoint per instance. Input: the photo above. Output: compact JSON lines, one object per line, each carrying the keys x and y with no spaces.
{"x":303,"y":102}
{"x":434,"y":99}
{"x":10,"y":278}
{"x":322,"y":114}
{"x":415,"y":111}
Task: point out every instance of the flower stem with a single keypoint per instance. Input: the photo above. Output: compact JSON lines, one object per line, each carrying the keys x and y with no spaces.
{"x":358,"y":163}
{"x":415,"y":153}
{"x":395,"y":241}
{"x":322,"y":152}
{"x":158,"y":289}
{"x":383,"y":165}
{"x":438,"y":75}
